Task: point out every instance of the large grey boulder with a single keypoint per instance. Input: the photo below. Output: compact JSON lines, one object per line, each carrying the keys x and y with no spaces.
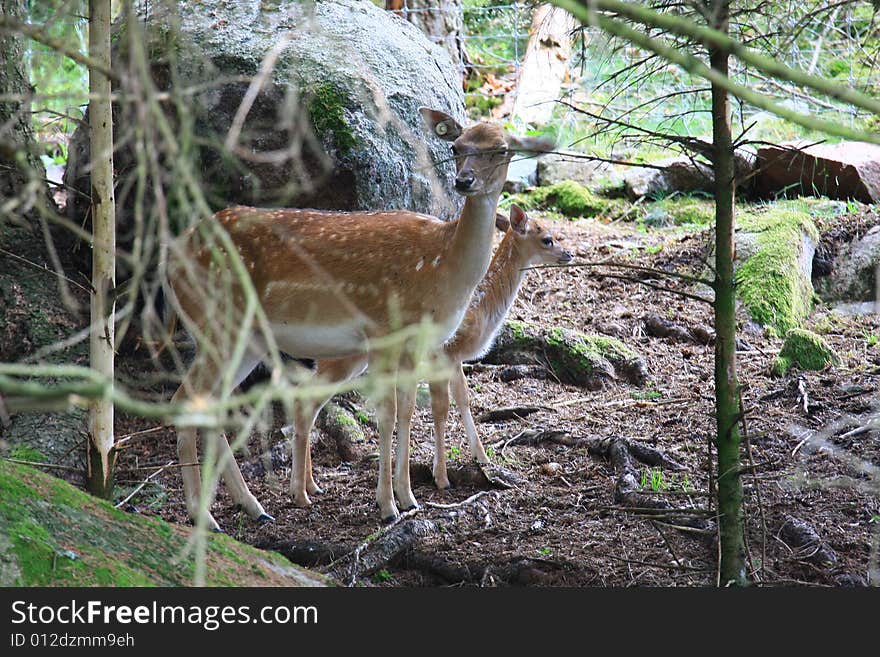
{"x":334,"y":126}
{"x":593,"y":174}
{"x":679,"y":174}
{"x":855,"y":275}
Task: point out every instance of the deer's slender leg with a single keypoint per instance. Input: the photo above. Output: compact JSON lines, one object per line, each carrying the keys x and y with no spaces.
{"x":406,"y":402}
{"x":440,"y":413}
{"x":235,"y":483}
{"x":459,"y":387}
{"x":302,"y":482}
{"x":386,"y":410}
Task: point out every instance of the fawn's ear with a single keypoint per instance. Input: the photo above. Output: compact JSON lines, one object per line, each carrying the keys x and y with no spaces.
{"x":518,"y":219}
{"x":501,"y":222}
{"x":534,"y":146}
{"x":440,"y":124}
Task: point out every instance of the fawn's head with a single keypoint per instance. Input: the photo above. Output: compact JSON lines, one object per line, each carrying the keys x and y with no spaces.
{"x":482,"y":151}
{"x":537,"y":245}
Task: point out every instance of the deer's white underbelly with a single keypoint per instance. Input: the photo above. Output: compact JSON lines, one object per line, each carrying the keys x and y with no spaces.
{"x":320,"y":341}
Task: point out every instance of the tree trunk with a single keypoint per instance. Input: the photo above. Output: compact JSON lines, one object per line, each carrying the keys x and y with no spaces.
{"x":19,"y":163}
{"x":727,"y":411}
{"x":545,"y":66}
{"x":100,"y":473}
{"x":440,"y":20}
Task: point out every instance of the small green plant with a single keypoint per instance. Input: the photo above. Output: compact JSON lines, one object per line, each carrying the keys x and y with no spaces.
{"x":546,"y":551}
{"x":686,"y":483}
{"x":382,"y":576}
{"x":490,"y":452}
{"x":454,"y":452}
{"x":873,"y":339}
{"x":653,"y":478}
{"x":648,"y":394}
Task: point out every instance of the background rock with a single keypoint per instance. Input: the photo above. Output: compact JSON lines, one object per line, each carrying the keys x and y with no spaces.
{"x":344,"y":92}
{"x":854,"y":272}
{"x":848,"y":170}
{"x":680,"y":174}
{"x":559,"y":167}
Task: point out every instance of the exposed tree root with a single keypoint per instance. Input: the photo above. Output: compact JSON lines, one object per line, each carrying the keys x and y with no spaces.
{"x":518,"y":571}
{"x":805,"y":542}
{"x":472,"y":475}
{"x":378,"y":551}
{"x":658,"y":327}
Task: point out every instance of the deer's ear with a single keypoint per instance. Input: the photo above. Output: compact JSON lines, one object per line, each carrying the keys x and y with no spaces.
{"x":502,"y":223}
{"x":534,"y":146}
{"x":440,"y":124}
{"x":518,"y":219}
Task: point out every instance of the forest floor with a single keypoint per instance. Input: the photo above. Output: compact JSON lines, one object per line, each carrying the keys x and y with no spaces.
{"x":810,"y":513}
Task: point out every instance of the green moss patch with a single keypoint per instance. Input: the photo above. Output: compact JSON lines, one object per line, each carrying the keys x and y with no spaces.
{"x":806,"y":350}
{"x":588,"y":361}
{"x":680,"y":211}
{"x":770,"y":279}
{"x":57,"y":535}
{"x":326,"y":105}
{"x":567,"y":197}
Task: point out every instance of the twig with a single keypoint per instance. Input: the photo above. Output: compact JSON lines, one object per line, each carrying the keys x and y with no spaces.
{"x":127,"y":437}
{"x":623,"y":265}
{"x":472,"y":498}
{"x":141,"y":485}
{"x":46,"y":270}
{"x":668,"y":566}
{"x":36,"y":464}
{"x":752,"y":466}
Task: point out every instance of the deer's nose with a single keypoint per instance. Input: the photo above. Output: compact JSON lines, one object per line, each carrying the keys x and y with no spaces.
{"x":464,"y":181}
{"x":565,"y":257}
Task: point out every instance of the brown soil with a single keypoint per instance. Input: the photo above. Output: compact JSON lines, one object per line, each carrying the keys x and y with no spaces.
{"x":561,"y":526}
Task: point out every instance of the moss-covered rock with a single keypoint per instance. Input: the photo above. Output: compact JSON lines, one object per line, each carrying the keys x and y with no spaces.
{"x":774,"y":250}
{"x":52,"y":534}
{"x":589,"y":361}
{"x":806,"y":350}
{"x":327,"y":109}
{"x":567,"y":197}
{"x":680,"y":211}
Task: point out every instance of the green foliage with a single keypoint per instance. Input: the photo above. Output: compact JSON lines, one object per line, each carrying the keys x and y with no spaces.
{"x":654,"y":479}
{"x":60,"y":83}
{"x":25,"y":453}
{"x":382,"y":576}
{"x":491,"y":47}
{"x":568,"y":197}
{"x":805,"y":349}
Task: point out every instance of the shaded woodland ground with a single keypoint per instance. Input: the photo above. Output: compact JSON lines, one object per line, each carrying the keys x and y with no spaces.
{"x":573,"y":517}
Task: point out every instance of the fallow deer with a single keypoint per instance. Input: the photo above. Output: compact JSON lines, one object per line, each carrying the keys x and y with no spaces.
{"x":525,"y":244}
{"x":331,"y":284}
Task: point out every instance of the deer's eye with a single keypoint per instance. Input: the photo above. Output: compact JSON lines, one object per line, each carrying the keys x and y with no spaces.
{"x":547,"y":241}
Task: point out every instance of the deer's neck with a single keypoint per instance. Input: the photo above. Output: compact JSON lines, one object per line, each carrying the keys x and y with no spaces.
{"x":500,"y":287}
{"x":471,"y":244}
